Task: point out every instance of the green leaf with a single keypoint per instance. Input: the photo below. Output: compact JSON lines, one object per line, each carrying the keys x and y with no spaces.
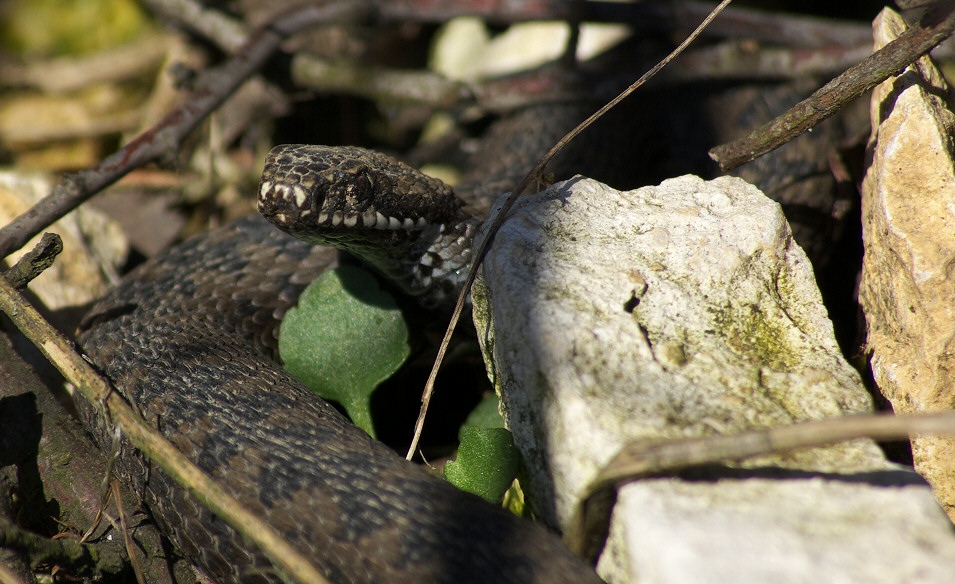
{"x":344,"y":338}
{"x":486,"y":465}
{"x":486,"y":414}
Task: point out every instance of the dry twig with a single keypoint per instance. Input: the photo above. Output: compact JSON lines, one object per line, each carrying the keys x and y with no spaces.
{"x":800,"y":31}
{"x":161,"y":142}
{"x":936,"y":26}
{"x":73,"y":73}
{"x":35,"y":261}
{"x":808,"y":45}
{"x":591,"y":521}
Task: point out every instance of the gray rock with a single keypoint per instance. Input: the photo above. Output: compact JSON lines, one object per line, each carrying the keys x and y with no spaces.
{"x":687,"y":310}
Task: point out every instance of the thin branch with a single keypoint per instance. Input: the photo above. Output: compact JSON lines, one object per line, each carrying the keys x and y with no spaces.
{"x":228,"y":33}
{"x":533,"y":179}
{"x":162,"y":141}
{"x":309,"y":70}
{"x":732,"y":60}
{"x":35,"y":261}
{"x":422,"y":87}
{"x":803,"y":44}
{"x":934,"y":27}
{"x":591,"y":519}
{"x":95,"y":389}
{"x":128,"y":543}
{"x":722,"y":61}
{"x":800,"y":31}
{"x":105,"y":123}
{"x":643,"y":17}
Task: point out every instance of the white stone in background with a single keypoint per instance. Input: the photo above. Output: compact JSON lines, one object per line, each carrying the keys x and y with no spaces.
{"x":907,"y":290}
{"x":686,"y":310}
{"x":92,"y":243}
{"x":466,"y":50}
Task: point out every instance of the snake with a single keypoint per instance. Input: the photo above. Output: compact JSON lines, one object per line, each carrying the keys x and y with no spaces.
{"x":190,"y":339}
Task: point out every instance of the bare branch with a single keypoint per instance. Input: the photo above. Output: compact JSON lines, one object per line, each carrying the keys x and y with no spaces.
{"x":801,"y":45}
{"x":895,"y":56}
{"x":73,"y":73}
{"x":591,"y":519}
{"x":226,"y":32}
{"x":799,"y":31}
{"x":35,"y":261}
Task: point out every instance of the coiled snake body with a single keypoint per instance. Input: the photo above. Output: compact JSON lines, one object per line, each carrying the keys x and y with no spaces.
{"x":189,"y":338}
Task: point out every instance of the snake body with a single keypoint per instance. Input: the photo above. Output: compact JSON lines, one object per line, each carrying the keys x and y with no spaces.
{"x":189,"y":337}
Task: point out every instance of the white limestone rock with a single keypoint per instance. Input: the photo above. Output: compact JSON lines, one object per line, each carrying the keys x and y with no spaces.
{"x":687,"y":310}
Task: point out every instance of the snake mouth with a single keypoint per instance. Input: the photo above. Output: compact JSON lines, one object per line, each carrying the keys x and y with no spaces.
{"x":291,"y":206}
{"x":349,"y":188}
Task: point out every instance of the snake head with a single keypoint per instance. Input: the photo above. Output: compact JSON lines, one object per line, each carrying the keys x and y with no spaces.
{"x":319,"y":192}
{"x":405,"y":224}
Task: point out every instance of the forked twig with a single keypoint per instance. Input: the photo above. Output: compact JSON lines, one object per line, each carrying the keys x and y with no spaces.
{"x":534,"y":177}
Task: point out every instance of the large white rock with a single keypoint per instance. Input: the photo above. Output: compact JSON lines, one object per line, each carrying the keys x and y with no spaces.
{"x":907,"y":292}
{"x":687,"y":310}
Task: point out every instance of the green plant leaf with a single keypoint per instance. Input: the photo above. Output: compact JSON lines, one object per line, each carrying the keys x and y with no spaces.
{"x":486,"y":414}
{"x":486,"y":465}
{"x":344,"y":338}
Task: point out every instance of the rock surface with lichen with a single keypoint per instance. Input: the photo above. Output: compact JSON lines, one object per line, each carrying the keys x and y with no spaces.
{"x":686,"y":309}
